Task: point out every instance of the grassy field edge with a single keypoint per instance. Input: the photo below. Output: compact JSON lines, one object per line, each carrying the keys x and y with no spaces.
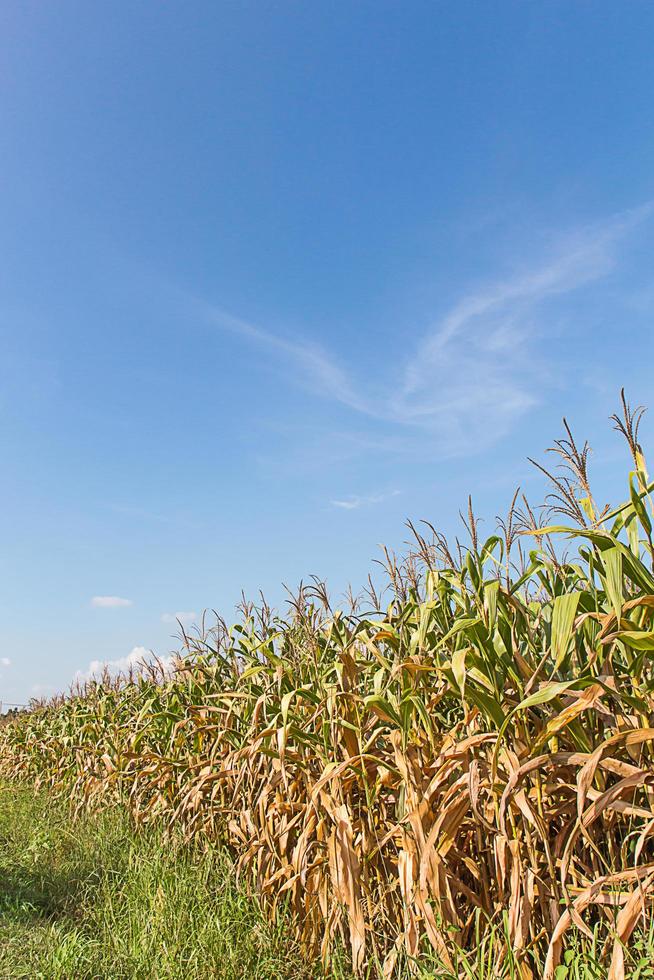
{"x":96,"y":898}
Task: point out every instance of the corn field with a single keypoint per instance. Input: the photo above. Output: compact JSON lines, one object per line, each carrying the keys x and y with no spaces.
{"x":472,"y":745}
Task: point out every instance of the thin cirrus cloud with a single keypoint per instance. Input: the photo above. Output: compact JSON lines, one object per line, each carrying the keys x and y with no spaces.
{"x":308,"y":360}
{"x":471,"y":376}
{"x":110,"y":602}
{"x":354,"y":501}
{"x":5,"y":662}
{"x":184,"y":618}
{"x":478,"y":354}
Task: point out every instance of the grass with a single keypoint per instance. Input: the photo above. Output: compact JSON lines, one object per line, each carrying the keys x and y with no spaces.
{"x":91,"y":898}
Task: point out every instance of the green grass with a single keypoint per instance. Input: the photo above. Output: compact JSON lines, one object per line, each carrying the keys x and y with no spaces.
{"x":91,"y":898}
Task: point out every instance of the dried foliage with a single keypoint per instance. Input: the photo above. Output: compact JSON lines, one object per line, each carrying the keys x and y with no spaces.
{"x":482,"y":747}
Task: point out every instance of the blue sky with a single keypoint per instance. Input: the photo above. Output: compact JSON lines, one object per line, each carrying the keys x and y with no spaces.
{"x":277,"y":276}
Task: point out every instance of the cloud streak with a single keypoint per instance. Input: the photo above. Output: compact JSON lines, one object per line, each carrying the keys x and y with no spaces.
{"x":179,"y":617}
{"x":110,"y":602}
{"x":473,"y":364}
{"x":354,"y":501}
{"x":471,"y":376}
{"x":312,"y":365}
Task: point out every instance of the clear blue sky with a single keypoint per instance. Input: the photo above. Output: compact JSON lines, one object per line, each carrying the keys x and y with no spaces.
{"x":277,"y":276}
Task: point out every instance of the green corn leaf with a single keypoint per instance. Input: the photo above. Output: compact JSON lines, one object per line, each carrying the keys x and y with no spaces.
{"x":383,"y":708}
{"x":459,"y":667}
{"x":563,"y":615}
{"x":612,"y":559}
{"x":637,"y":640}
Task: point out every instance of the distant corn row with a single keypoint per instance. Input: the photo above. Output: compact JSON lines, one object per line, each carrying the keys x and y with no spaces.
{"x":481,"y":747}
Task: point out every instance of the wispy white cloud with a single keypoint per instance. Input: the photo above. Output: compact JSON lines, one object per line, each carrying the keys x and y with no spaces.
{"x":110,"y":602}
{"x":136,"y":659}
{"x":473,"y":366}
{"x":182,"y":617}
{"x":471,"y":376}
{"x":5,"y":662}
{"x":312,"y":366}
{"x":354,"y":501}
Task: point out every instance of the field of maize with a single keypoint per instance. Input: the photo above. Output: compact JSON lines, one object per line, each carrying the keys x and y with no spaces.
{"x":473,"y":746}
